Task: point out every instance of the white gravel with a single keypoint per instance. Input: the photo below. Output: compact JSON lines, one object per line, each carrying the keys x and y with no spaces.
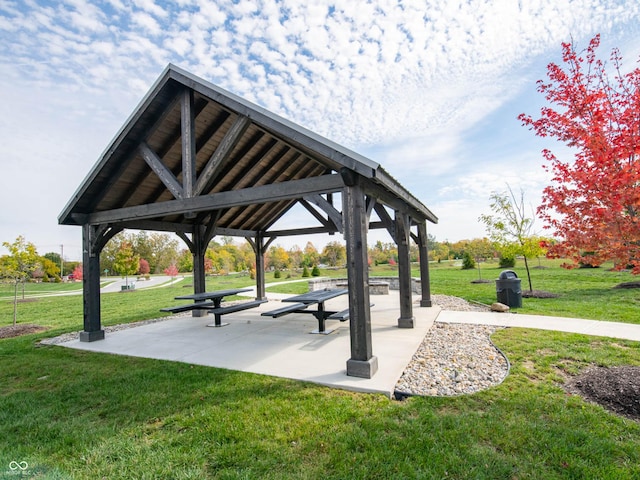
{"x":454,"y":359}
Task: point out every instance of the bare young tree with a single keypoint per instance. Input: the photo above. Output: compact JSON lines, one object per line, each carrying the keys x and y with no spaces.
{"x":511,"y":227}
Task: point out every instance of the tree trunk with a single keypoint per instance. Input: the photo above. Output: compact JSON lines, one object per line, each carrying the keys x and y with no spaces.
{"x":526,"y":265}
{"x":15,"y":304}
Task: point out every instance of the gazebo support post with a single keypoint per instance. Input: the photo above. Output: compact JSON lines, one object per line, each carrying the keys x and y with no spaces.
{"x":362,"y":362}
{"x":259,"y":247}
{"x":199,"y":279}
{"x":425,"y":283}
{"x":261,"y":293}
{"x":403,"y":237}
{"x":91,"y":286}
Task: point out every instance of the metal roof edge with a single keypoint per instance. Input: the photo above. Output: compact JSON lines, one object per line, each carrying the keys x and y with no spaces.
{"x":384,"y":178}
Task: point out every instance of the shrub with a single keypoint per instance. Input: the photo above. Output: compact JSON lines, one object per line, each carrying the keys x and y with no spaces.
{"x":507,"y":261}
{"x":468,"y":262}
{"x":315,"y":272}
{"x":305,"y":272}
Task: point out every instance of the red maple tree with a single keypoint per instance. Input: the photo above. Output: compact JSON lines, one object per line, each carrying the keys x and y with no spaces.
{"x":78,"y":273}
{"x":593,"y":203}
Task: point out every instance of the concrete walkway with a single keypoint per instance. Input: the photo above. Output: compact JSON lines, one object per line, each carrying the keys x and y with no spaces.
{"x":284,"y":347}
{"x":624,"y":331}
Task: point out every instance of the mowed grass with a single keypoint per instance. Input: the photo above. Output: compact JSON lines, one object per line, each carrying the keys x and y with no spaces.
{"x":74,"y":414}
{"x":583,"y":293}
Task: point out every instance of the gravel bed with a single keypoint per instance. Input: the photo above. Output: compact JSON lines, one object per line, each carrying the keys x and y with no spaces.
{"x":454,"y":359}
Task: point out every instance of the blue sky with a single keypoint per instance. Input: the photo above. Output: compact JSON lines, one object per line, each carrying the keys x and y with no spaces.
{"x":429,"y":89}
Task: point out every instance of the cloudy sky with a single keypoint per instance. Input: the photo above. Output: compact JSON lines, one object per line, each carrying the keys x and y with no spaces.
{"x":430,"y":89}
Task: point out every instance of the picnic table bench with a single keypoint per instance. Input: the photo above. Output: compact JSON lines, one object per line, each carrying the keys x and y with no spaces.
{"x":300,"y":303}
{"x":212,"y":302}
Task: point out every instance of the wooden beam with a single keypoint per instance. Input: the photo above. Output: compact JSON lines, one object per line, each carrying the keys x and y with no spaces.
{"x":403,"y":224}
{"x":334,"y":215}
{"x":396,"y":203}
{"x":248,"y":196}
{"x":371,"y":203}
{"x":425,"y":281}
{"x":318,"y":216}
{"x":91,"y":283}
{"x":222,"y":153}
{"x":209,"y":232}
{"x":186,"y":240}
{"x":294,"y":232}
{"x":188,"y":135}
{"x":164,"y":174}
{"x":234,"y":232}
{"x":362,"y":362}
{"x":386,"y":220}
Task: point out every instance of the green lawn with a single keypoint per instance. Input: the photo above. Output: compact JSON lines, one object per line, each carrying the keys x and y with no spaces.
{"x":74,"y":414}
{"x":583,"y":293}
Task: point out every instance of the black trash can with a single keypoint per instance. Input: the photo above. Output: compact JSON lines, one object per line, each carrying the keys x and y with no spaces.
{"x":508,"y":289}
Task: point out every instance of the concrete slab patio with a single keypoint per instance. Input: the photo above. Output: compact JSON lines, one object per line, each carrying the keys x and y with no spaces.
{"x":281,"y":347}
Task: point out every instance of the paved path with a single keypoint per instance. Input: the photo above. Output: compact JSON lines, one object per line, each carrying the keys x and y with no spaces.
{"x":625,"y":331}
{"x":116,"y":284}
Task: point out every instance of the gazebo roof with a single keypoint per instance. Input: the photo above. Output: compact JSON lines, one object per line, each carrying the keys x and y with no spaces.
{"x":248,"y":167}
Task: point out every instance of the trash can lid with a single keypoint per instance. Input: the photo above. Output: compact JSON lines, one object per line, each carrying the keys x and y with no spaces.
{"x":506,"y":274}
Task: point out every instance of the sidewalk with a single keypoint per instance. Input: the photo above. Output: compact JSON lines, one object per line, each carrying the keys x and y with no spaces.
{"x":624,"y":331}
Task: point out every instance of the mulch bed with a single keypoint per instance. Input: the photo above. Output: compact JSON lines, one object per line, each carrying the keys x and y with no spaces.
{"x":628,"y":285}
{"x":20,"y":329}
{"x":617,"y":389}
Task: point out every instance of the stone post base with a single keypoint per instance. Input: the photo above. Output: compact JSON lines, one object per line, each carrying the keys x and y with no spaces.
{"x":406,"y":322}
{"x":91,"y":336}
{"x":362,"y":368}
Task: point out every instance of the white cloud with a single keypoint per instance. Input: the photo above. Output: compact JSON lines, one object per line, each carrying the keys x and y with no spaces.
{"x":146,"y":22}
{"x":426,"y":88}
{"x":151,"y":7}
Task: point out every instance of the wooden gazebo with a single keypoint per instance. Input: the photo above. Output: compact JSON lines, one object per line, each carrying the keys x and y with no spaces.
{"x":198,"y":161}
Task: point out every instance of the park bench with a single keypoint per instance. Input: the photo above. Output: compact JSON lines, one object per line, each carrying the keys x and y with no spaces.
{"x":211,"y":301}
{"x":299,"y":304}
{"x":219,"y":311}
{"x":186,"y":308}
{"x":279,"y":312}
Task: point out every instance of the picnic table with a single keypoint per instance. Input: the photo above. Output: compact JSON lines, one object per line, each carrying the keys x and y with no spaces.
{"x":212,"y":301}
{"x":300,"y":303}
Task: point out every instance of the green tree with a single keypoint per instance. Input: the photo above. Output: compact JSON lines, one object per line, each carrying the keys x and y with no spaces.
{"x":57,"y":260}
{"x":126,"y":262}
{"x":310,"y":255}
{"x":440,"y":252}
{"x":296,"y":256}
{"x":480,"y":249}
{"x":511,"y":228}
{"x":185,"y":261}
{"x":278,"y":258}
{"x":17,"y":267}
{"x":334,"y":254}
{"x":467,"y":261}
